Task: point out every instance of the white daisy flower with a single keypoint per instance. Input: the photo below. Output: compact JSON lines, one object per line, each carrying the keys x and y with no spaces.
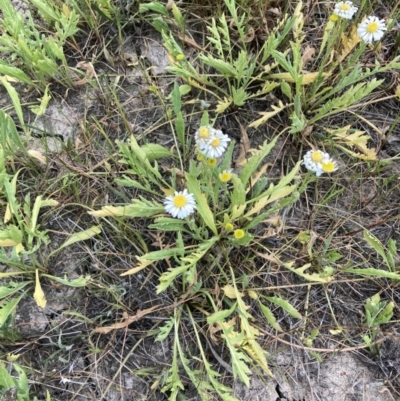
{"x":345,"y":9}
{"x":216,"y":146}
{"x":371,"y":29}
{"x":180,"y":205}
{"x":313,"y":160}
{"x":204,"y":135}
{"x":328,"y":166}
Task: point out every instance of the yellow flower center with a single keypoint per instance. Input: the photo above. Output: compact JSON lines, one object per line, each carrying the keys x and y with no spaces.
{"x":316,"y":156}
{"x":180,"y":201}
{"x":328,"y":167}
{"x":212,"y":161}
{"x":204,"y":133}
{"x":345,"y":7}
{"x":200,"y":157}
{"x":372,"y":27}
{"x":228,"y":226}
{"x":225,"y":176}
{"x":215,"y":142}
{"x":238,"y":233}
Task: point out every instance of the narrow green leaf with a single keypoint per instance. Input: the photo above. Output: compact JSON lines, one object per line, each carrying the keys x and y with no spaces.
{"x":11,"y":288}
{"x":221,"y":315}
{"x":154,"y":151}
{"x":15,"y":100}
{"x":7,"y":307}
{"x":153,"y":6}
{"x":376,"y":245}
{"x":80,"y":236}
{"x":81,"y":281}
{"x":202,"y":206}
{"x":373,"y":272}
{"x":286,"y":306}
{"x":165,"y":329}
{"x":15,"y":73}
{"x":270,"y":317}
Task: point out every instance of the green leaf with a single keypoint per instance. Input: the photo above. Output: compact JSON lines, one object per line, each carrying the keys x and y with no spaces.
{"x":238,"y":195}
{"x":239,"y":96}
{"x":286,"y":306}
{"x":180,"y":128}
{"x":270,"y":317}
{"x":15,"y":100}
{"x":286,"y":90}
{"x":14,"y":72}
{"x":220,"y":65}
{"x":221,"y":315}
{"x":184,"y":89}
{"x":41,"y":109}
{"x":156,"y":7}
{"x":6,"y":380}
{"x":373,"y":272}
{"x":11,"y":288}
{"x":22,"y":383}
{"x":176,"y":98}
{"x":168,"y":224}
{"x":376,"y":245}
{"x":7,"y":307}
{"x":154,"y":151}
{"x":385,"y":314}
{"x":205,"y":121}
{"x":188,"y":262}
{"x":165,"y":329}
{"x":138,"y":208}
{"x":202,"y":206}
{"x":81,"y":281}
{"x":80,"y":236}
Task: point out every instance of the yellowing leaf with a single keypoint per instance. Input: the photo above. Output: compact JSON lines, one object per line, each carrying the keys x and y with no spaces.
{"x":41,"y":109}
{"x":223,"y":105}
{"x":275,"y":195}
{"x":397,"y":92}
{"x":229,"y":291}
{"x":357,"y":139}
{"x":143,"y":263}
{"x":315,"y":277}
{"x":19,"y":248}
{"x":38,"y":295}
{"x":252,"y":294}
{"x":307,"y":77}
{"x":266,"y":115}
{"x":8,"y":242}
{"x":349,"y":42}
{"x":12,"y":357}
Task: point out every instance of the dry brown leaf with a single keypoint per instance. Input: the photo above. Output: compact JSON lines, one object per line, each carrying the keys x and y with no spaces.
{"x":90,"y":72}
{"x":275,"y":11}
{"x":128,"y":320}
{"x":244,"y":147}
{"x":78,"y":143}
{"x":308,"y":55}
{"x":37,"y":155}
